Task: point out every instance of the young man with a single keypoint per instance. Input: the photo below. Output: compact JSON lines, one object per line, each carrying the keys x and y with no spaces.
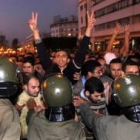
{"x":28,"y":68}
{"x":131,"y":67}
{"x":62,"y":63}
{"x":115,"y":68}
{"x":93,"y":91}
{"x":125,"y":126}
{"x":90,"y":68}
{"x":31,"y":91}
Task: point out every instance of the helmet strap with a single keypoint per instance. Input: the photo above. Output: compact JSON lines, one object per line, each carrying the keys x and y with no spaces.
{"x":60,"y":114}
{"x":133,"y":113}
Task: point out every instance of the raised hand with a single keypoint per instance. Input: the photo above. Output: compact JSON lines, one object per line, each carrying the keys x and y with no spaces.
{"x":90,"y":23}
{"x":127,"y":29}
{"x":117,"y":28}
{"x":33,"y":22}
{"x":90,"y":19}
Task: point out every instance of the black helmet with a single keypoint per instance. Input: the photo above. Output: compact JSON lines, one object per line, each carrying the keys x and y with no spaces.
{"x":57,"y":92}
{"x":126,"y":90}
{"x":8,"y":78}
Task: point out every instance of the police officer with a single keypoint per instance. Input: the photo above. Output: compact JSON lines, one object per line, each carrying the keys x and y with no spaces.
{"x":57,"y":122}
{"x":126,"y":91}
{"x":9,"y":119}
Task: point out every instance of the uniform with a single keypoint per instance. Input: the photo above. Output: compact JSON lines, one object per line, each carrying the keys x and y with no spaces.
{"x":110,"y":127}
{"x":57,"y":123}
{"x":42,"y":129}
{"x":9,"y":121}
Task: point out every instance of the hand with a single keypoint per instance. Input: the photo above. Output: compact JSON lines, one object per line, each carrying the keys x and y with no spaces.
{"x":90,"y":20}
{"x":31,"y":104}
{"x":33,"y":22}
{"x":90,"y":23}
{"x":117,"y":28}
{"x":77,"y":101}
{"x":127,"y":29}
{"x":107,"y":92}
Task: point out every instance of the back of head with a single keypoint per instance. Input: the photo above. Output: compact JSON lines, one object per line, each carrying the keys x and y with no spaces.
{"x":108,"y":57}
{"x":126,"y":91}
{"x":8,"y":78}
{"x":57,"y":92}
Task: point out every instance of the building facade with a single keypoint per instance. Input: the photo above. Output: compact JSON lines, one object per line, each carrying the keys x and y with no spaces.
{"x":107,"y":14}
{"x":64,"y":27}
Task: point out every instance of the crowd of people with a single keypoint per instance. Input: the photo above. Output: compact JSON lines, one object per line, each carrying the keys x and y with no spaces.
{"x":89,"y":96}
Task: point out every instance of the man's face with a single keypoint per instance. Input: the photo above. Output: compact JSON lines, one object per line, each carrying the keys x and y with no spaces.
{"x":94,"y":97}
{"x":132,"y":69}
{"x":61,"y":59}
{"x":97,"y":72}
{"x":103,"y":64}
{"x":33,"y":87}
{"x":28,"y":68}
{"x":115,"y":70}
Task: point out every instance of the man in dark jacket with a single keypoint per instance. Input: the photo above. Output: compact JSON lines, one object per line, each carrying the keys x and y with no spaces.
{"x":62,"y":63}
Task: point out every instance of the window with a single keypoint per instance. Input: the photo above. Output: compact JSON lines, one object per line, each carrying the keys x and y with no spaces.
{"x":81,"y":7}
{"x":100,"y":27}
{"x":124,"y":21}
{"x":136,"y":19}
{"x":114,"y":7}
{"x":110,"y":9}
{"x":100,"y":12}
{"x":136,"y":1}
{"x":111,"y":25}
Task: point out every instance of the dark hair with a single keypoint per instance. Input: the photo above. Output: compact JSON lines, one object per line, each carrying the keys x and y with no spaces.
{"x":89,"y":66}
{"x":27,"y":78}
{"x":29,"y":59}
{"x":130,"y":63}
{"x":94,"y":84}
{"x":116,"y":60}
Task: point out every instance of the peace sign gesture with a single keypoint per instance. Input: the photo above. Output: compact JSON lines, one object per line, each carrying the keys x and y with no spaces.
{"x":90,"y":19}
{"x":33,"y":22}
{"x":90,"y":23}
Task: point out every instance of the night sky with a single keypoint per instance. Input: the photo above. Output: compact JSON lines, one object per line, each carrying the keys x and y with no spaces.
{"x":14,"y":15}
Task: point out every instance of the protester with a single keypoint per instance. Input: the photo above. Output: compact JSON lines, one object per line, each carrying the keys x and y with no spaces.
{"x":61,"y":62}
{"x":94,"y":93}
{"x":31,"y":91}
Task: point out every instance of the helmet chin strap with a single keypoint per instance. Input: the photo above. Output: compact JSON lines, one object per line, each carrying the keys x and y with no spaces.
{"x":133,"y":113}
{"x":60,"y":114}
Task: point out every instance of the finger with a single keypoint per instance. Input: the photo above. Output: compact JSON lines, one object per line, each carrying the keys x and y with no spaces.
{"x":32,"y":16}
{"x":36,"y":16}
{"x":88,"y":16}
{"x":92,"y":15}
